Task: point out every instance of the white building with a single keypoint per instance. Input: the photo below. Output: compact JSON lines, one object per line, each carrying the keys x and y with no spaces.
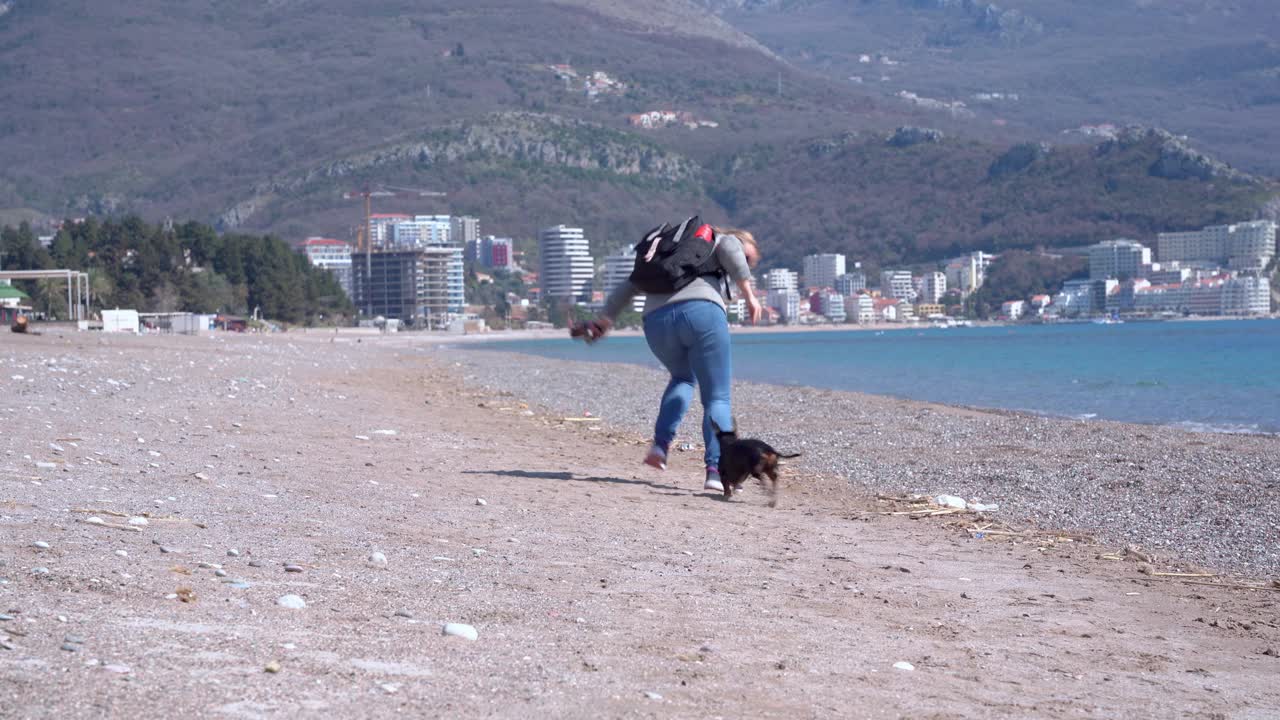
{"x":421,"y":232}
{"x":851,"y":283}
{"x":1220,"y":294}
{"x":380,"y":226}
{"x":464,"y":229}
{"x":831,"y":305}
{"x":737,"y":308}
{"x":1013,"y":309}
{"x":821,"y":271}
{"x":786,"y":302}
{"x":1075,"y":299}
{"x":566,"y":270}
{"x":1242,"y":246}
{"x":897,"y":284}
{"x":860,"y":308}
{"x":332,"y":255}
{"x":1116,"y":258}
{"x":780,"y":279}
{"x":935,"y":286}
{"x":617,"y":270}
{"x":1247,"y":295}
{"x":969,"y":272}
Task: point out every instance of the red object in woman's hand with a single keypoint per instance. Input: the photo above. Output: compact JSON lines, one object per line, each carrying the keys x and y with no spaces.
{"x":590,"y":331}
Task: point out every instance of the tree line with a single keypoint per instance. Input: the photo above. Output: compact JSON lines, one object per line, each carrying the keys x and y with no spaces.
{"x":169,"y":268}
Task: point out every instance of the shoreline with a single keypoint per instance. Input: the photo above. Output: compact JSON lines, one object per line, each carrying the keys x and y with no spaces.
{"x":270,"y":526}
{"x":1253,"y":429}
{"x":1050,"y":472}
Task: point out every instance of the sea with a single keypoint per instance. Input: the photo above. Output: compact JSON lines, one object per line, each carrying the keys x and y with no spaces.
{"x":1209,"y":376}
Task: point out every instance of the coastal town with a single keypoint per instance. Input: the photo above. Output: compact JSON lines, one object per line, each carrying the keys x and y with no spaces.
{"x":1217,"y":271}
{"x":440,"y":272}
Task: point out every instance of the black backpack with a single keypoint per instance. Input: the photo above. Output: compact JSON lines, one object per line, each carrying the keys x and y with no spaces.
{"x":669,"y":258}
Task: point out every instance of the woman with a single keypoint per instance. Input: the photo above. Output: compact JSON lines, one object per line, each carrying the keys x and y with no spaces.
{"x":688,"y":331}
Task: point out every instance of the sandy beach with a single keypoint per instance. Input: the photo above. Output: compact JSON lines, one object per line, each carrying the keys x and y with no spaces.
{"x":161,"y":496}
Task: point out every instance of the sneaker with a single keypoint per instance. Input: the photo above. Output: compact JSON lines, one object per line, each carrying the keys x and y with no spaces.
{"x":656,"y":457}
{"x":713,"y":481}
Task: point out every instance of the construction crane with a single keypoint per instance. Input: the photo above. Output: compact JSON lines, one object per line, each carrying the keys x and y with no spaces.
{"x":364,"y":240}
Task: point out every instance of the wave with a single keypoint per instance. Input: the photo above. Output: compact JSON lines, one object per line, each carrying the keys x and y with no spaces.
{"x":1221,"y":428}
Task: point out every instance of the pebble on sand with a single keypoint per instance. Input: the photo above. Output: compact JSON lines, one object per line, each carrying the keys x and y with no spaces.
{"x":652,"y":695}
{"x":481,"y":502}
{"x":903,"y":665}
{"x":293,"y":602}
{"x":272,"y":667}
{"x":138,"y":520}
{"x":122,"y":553}
{"x":377,"y":558}
{"x":461,"y":630}
{"x":233,"y":553}
{"x":291,"y":568}
{"x":40,"y":544}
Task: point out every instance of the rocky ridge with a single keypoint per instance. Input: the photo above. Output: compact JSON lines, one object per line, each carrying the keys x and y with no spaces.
{"x":514,"y":137}
{"x":1178,"y":160}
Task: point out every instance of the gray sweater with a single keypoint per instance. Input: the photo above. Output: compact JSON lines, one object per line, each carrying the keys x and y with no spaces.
{"x":729,"y":255}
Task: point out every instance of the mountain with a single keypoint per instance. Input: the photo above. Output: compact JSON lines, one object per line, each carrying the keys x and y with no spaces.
{"x":259,"y":116}
{"x":917,"y":195}
{"x":1209,"y":69}
{"x":183,"y":108}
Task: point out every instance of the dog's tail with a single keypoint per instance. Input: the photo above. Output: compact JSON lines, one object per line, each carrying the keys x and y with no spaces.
{"x":788,"y":457}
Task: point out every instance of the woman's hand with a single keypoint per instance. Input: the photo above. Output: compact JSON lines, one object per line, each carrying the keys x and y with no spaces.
{"x":754,"y":309}
{"x":592,"y":330}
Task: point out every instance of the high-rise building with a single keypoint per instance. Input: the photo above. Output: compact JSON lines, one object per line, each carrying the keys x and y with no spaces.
{"x":860,"y":308}
{"x":566,"y":270}
{"x":934,"y":287}
{"x":422,"y":231}
{"x":831,"y":306}
{"x":1242,"y":246}
{"x":473,"y":252}
{"x":497,"y":253}
{"x":786,"y":302}
{"x":617,"y":270}
{"x":464,"y":229}
{"x":851,"y":283}
{"x":417,"y":286}
{"x":1116,"y":258}
{"x":780,"y":279}
{"x":332,"y":255}
{"x":380,"y":227}
{"x":967,"y":273}
{"x":897,"y":284}
{"x":821,"y":271}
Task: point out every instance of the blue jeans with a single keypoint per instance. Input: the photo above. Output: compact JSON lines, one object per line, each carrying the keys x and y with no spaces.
{"x":691,"y":339}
